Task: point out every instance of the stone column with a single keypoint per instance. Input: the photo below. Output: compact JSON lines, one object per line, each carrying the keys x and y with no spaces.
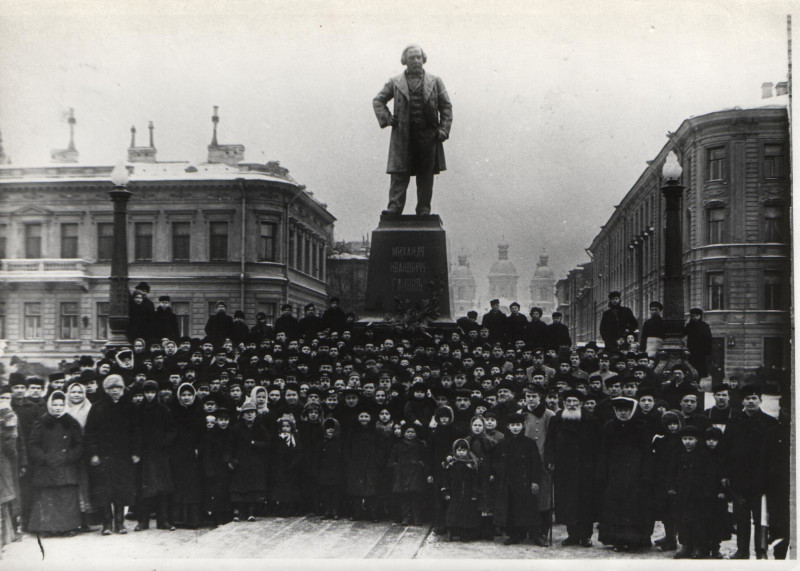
{"x":118,"y":295}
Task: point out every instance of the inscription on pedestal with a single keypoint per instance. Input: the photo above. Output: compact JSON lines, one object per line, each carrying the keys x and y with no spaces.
{"x":407,"y":255}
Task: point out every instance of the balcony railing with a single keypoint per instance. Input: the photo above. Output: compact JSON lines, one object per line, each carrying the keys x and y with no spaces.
{"x":43,"y":265}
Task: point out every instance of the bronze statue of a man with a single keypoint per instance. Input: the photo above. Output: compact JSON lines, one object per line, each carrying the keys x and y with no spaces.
{"x":420,"y":123}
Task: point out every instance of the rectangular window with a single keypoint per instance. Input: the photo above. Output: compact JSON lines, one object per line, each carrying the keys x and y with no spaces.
{"x":715,"y":226}
{"x":2,"y":319}
{"x":716,"y":290}
{"x":266,"y":250}
{"x":773,"y":161}
{"x":102,"y":320}
{"x":268,"y":308}
{"x":33,"y":240}
{"x":773,"y":224}
{"x":69,"y":320}
{"x":181,"y":241}
{"x":183,"y":311}
{"x":218,"y":241}
{"x":32,"y":320}
{"x":69,"y":240}
{"x":105,"y":243}
{"x":716,"y":164}
{"x":772,"y":290}
{"x":143,"y":245}
{"x":3,"y":234}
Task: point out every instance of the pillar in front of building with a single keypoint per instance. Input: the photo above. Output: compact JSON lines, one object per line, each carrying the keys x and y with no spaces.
{"x":118,"y":295}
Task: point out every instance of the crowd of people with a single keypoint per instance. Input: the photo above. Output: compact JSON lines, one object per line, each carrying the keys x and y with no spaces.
{"x":494,"y":428}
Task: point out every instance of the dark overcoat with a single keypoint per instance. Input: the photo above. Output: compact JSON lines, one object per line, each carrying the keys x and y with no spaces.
{"x":158,"y":435}
{"x":438,"y":109}
{"x":573,"y":448}
{"x":114,"y":434}
{"x":249,"y":457}
{"x":743,"y":446}
{"x":517,"y":465}
{"x":410,"y":463}
{"x":362,"y":462}
{"x":286,"y":463}
{"x":694,"y":478}
{"x":626,"y":469}
{"x":616,"y":323}
{"x":331,"y":465}
{"x":461,"y":483}
{"x":484,"y":448}
{"x":187,"y":473}
{"x":55,"y":449}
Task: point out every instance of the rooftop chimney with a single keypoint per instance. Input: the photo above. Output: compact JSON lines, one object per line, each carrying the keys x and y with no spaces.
{"x":782,"y":88}
{"x":766,"y":90}
{"x":230,"y":155}
{"x":141,"y":154}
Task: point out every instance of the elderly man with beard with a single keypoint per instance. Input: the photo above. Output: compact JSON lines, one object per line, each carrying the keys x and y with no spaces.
{"x":625,"y":469}
{"x":571,"y":451}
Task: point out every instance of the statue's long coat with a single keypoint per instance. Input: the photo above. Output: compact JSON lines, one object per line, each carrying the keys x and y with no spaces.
{"x":437,"y":106}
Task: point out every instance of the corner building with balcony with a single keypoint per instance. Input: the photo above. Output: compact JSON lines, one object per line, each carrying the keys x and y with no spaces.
{"x":736,"y":240}
{"x":223,"y":229}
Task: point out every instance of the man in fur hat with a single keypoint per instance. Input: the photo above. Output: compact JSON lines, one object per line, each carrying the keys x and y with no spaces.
{"x":616,"y":323}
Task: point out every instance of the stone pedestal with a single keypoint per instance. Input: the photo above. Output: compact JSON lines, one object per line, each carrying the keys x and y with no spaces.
{"x":407,"y":259}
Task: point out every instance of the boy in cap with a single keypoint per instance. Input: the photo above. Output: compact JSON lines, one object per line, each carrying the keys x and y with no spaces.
{"x":517,"y":473}
{"x":692,"y":482}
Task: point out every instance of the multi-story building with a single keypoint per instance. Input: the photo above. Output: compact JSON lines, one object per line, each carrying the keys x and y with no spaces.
{"x":503,"y":279}
{"x":542,"y":287}
{"x":463,"y":289}
{"x":736,"y":238}
{"x":225,"y":229}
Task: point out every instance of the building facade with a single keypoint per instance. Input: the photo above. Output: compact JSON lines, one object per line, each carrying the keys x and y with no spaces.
{"x":463,"y":288}
{"x":736,"y":239}
{"x":222,"y":229}
{"x":542,"y":287}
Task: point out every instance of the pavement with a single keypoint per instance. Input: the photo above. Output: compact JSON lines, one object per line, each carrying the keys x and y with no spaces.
{"x":295,"y":538}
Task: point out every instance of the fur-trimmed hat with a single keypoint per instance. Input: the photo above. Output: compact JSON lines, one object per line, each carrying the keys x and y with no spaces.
{"x":112,"y":381}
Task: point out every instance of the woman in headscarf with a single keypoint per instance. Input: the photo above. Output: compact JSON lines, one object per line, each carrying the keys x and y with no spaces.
{"x":187,"y":473}
{"x":78,"y":407}
{"x":55,"y":450}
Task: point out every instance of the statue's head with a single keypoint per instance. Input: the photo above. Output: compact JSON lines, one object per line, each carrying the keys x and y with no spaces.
{"x":404,"y":58}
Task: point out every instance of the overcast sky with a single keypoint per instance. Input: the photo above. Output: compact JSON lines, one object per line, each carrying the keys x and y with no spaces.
{"x":557,"y":105}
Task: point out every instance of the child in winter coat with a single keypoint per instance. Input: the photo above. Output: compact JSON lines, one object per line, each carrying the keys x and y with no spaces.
{"x":665,"y":446}
{"x":287,"y":456}
{"x":461,"y":489}
{"x":719,"y":528}
{"x":692,"y":481}
{"x":409,"y":462}
{"x":331,"y":469}
{"x":215,"y":455}
{"x":249,"y":463}
{"x":362,"y":467}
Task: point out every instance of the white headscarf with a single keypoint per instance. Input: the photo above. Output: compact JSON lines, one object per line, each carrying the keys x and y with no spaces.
{"x":54,"y":395}
{"x":79,"y":412}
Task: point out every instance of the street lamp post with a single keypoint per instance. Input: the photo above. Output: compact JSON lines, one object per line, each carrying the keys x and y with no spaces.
{"x":118,"y":294}
{"x":673,"y":258}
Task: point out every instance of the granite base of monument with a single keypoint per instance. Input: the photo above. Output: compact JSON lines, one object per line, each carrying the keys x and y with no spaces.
{"x":407,"y":261}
